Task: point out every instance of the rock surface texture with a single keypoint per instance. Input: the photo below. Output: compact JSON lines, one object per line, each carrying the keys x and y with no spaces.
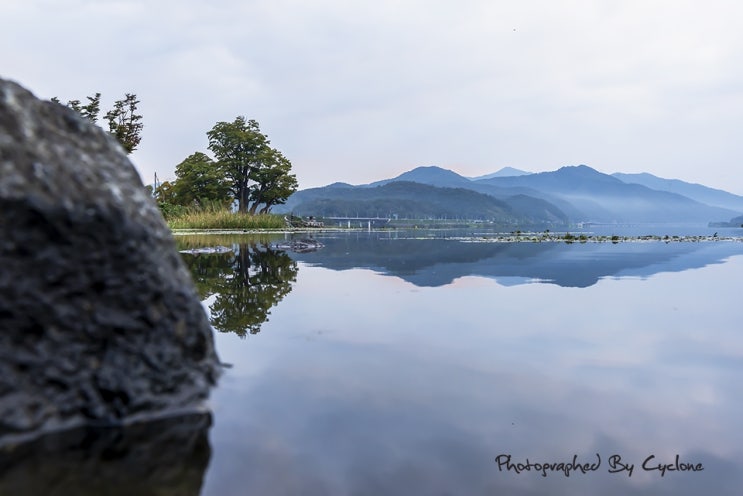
{"x":99,"y":319}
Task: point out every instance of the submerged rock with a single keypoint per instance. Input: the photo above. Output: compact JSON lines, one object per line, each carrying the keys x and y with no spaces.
{"x":207,"y":250}
{"x":99,"y":320}
{"x":299,"y":245}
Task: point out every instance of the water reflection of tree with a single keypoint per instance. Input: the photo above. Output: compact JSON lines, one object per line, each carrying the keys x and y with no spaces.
{"x":245,"y":283}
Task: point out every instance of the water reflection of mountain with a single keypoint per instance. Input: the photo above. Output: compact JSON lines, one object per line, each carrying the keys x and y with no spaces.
{"x":437,"y":262}
{"x":243,"y":285}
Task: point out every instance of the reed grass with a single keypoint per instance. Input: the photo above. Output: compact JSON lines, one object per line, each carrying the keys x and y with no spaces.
{"x":223,"y":219}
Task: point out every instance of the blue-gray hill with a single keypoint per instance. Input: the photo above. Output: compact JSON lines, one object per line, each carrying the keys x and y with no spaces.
{"x":603,"y":198}
{"x":702,"y":194}
{"x":504,"y":172}
{"x":432,"y":175}
{"x":569,"y":194}
{"x":405,"y":199}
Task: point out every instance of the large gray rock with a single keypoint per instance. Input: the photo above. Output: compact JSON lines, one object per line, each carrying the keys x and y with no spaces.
{"x":99,"y":319}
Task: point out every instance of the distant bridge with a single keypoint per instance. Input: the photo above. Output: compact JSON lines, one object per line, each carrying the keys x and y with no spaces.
{"x":359,"y":221}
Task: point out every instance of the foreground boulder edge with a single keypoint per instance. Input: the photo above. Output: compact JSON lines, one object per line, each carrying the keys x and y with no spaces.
{"x":99,"y":320}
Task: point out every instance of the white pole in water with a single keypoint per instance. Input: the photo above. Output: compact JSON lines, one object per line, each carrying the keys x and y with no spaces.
{"x":370,"y":225}
{"x":349,"y":224}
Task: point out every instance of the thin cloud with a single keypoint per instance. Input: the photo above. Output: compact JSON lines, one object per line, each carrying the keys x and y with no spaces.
{"x":358,"y":91}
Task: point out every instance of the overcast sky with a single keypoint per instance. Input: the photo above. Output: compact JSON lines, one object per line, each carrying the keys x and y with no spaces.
{"x":357,"y":91}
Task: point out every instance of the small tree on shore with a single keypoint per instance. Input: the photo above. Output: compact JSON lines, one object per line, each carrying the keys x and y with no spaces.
{"x":123,"y":121}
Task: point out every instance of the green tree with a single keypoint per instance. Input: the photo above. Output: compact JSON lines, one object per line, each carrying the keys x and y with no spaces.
{"x":164,"y":193}
{"x":274,"y":184}
{"x":200,"y":182}
{"x":246,"y":283}
{"x":239,"y":148}
{"x":245,"y":158}
{"x":89,"y":111}
{"x":166,"y":199}
{"x":123,"y":121}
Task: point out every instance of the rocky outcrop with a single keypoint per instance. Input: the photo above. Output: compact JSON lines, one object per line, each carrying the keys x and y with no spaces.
{"x":99,"y":320}
{"x":299,"y":245}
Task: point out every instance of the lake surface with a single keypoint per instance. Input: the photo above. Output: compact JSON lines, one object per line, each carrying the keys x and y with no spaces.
{"x":393,"y":364}
{"x":412,"y":363}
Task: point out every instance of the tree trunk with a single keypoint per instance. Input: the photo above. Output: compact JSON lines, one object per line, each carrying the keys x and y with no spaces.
{"x":243,"y":199}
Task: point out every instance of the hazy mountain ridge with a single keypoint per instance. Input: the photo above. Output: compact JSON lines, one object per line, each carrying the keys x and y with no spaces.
{"x":407,"y":199}
{"x":698,"y":192}
{"x":428,"y":174}
{"x":604,"y":198}
{"x":569,"y":194}
{"x":504,"y":172}
{"x":404,"y":198}
{"x":734,"y":222}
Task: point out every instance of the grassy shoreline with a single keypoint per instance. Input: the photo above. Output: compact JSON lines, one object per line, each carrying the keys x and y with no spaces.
{"x":220,"y":221}
{"x":225,"y":220}
{"x":494,"y":238}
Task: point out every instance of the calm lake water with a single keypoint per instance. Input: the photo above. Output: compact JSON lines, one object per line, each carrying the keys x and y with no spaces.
{"x":393,"y":365}
{"x":389,"y":363}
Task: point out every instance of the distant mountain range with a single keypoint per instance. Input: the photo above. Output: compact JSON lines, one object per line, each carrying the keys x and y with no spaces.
{"x":504,"y":172}
{"x":697,"y":192}
{"x":570,"y":194}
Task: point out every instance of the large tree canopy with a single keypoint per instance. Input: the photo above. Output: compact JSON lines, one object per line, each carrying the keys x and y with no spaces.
{"x":199,"y":182}
{"x":255,"y":171}
{"x":274,"y":184}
